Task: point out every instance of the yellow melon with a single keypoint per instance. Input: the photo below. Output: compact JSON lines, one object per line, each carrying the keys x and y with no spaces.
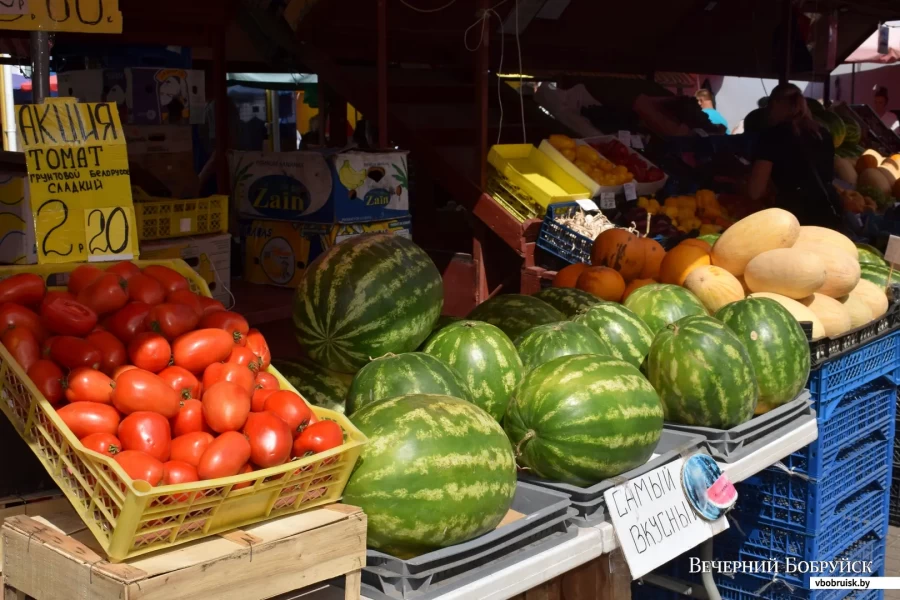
{"x":799,"y":311}
{"x":860,"y":313}
{"x":791,"y":272}
{"x":841,"y":270}
{"x":873,"y":295}
{"x":715,"y":287}
{"x":751,"y":236}
{"x":873,"y":178}
{"x":834,"y":317}
{"x":823,"y":235}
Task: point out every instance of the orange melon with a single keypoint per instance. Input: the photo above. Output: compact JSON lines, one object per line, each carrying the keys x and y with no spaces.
{"x":603,"y":282}
{"x":567,"y":277}
{"x":619,"y":249}
{"x":653,"y":257}
{"x":680,"y":261}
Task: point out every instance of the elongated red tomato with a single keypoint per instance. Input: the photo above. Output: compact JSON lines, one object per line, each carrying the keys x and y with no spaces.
{"x":83,"y":276}
{"x":170,"y":279}
{"x":85,"y":418}
{"x":182,"y":381}
{"x":247,"y":468}
{"x":48,"y":379}
{"x":197,"y":350}
{"x":226,"y":406}
{"x":176,"y":472}
{"x":71,"y":352}
{"x":210,"y":305}
{"x":25,"y":288}
{"x":23,"y":345}
{"x":318,"y":437}
{"x":111,"y":348}
{"x":143,"y":288}
{"x":150,"y":351}
{"x":267,"y":381}
{"x":244,"y":356}
{"x":146,"y":432}
{"x":129,"y":321}
{"x":190,"y":447}
{"x":105,"y":295}
{"x":225,"y":456}
{"x":139,"y":390}
{"x":104,"y":443}
{"x":290,"y":408}
{"x":67,"y":317}
{"x":231,"y":322}
{"x":257,"y":343}
{"x":270,"y":439}
{"x":88,"y":385}
{"x":125,"y":269}
{"x":258,"y":399}
{"x":189,"y":419}
{"x":16,"y":315}
{"x":172,"y":320}
{"x":140,"y":466}
{"x":233,"y":372}
{"x":188,"y":298}
{"x":122,"y":369}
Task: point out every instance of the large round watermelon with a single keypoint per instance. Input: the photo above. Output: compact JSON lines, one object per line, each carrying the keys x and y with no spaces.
{"x":568,"y":301}
{"x":315,"y":383}
{"x":835,"y":126}
{"x":582,"y":419}
{"x":545,"y":342}
{"x":853,"y":132}
{"x":443,"y":321}
{"x":626,"y":335}
{"x":484,"y":357}
{"x":402,"y":374}
{"x":365,"y":297}
{"x":877,"y":274}
{"x":703,"y":374}
{"x":870,"y":254}
{"x":777,"y":345}
{"x":436,"y":471}
{"x":515,"y":314}
{"x":660,"y":304}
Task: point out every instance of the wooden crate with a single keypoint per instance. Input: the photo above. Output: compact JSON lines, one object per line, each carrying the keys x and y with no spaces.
{"x":55,"y":557}
{"x":39,"y":503}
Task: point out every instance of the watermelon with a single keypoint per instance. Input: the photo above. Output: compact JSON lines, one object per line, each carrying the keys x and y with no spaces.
{"x":870,"y":254}
{"x":316,"y":384}
{"x":877,"y":274}
{"x":568,"y":301}
{"x":703,"y":374}
{"x":365,"y":297}
{"x":582,"y":419}
{"x":709,"y":238}
{"x":443,"y":321}
{"x":545,"y":342}
{"x":626,"y":335}
{"x":660,"y":304}
{"x":436,"y":471}
{"x":834,"y":124}
{"x":815,"y":107}
{"x":515,"y":314}
{"x":402,"y":374}
{"x":484,"y":357}
{"x":853,"y":132}
{"x":777,"y":345}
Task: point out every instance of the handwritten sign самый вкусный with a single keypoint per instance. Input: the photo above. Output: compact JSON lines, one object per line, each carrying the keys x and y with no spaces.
{"x":76,"y":16}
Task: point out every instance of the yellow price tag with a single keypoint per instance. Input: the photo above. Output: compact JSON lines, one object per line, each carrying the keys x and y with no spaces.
{"x":109,"y":233}
{"x":85,"y":16}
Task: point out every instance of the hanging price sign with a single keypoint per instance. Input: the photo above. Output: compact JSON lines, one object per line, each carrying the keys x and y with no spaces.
{"x":79,"y":16}
{"x":78,"y":179}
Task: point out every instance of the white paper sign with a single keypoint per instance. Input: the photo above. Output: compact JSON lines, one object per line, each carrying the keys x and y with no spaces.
{"x":892,"y":253}
{"x":630,"y":191}
{"x":588,"y":205}
{"x":653,"y":519}
{"x":607,"y":200}
{"x":637,"y":143}
{"x":625,"y":137}
{"x":13,"y":7}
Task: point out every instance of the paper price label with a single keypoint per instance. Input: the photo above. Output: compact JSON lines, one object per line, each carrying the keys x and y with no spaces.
{"x":625,"y":137}
{"x":13,"y":7}
{"x":892,"y":252}
{"x":587,"y":205}
{"x":637,"y":143}
{"x":607,"y":200}
{"x":630,"y":191}
{"x":109,"y":233}
{"x":84,"y":16}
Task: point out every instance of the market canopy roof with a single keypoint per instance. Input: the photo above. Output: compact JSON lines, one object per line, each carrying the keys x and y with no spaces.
{"x":868,"y":51}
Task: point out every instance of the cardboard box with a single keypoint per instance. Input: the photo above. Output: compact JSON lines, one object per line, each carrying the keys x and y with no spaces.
{"x":209,"y":255}
{"x":16,"y":224}
{"x":278,"y":252}
{"x":321,"y":187}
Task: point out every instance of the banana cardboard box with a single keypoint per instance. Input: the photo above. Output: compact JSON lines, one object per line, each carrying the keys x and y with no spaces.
{"x":321,"y":187}
{"x":278,"y":252}
{"x":208,"y":255}
{"x":16,"y":224}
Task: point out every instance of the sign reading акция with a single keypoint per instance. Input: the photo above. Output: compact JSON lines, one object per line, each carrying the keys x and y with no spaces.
{"x":78,"y":16}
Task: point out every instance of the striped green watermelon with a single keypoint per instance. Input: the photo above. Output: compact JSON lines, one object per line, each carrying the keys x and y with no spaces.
{"x":854,"y":132}
{"x":777,"y":345}
{"x":515,"y":314}
{"x":395,"y":375}
{"x":877,"y":274}
{"x":660,"y":304}
{"x":436,"y":471}
{"x":703,"y":374}
{"x":568,"y":301}
{"x":365,"y":297}
{"x":545,"y":342}
{"x":582,"y":419}
{"x":318,"y":385}
{"x":870,"y":254}
{"x":627,"y":336}
{"x":443,"y":321}
{"x":484,"y":357}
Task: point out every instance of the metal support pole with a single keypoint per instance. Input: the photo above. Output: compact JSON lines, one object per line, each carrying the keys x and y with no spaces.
{"x":482,"y":66}
{"x":382,"y":74}
{"x":785,"y":74}
{"x":40,"y":66}
{"x":220,"y":99}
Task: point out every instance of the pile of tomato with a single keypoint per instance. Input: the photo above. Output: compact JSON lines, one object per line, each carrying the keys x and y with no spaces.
{"x":167,"y":382}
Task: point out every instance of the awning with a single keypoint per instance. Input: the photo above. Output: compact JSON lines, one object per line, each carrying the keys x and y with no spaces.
{"x":868,"y":52}
{"x":274,"y":81}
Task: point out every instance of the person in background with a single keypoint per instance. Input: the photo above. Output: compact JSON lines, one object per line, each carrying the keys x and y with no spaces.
{"x":881,"y":109}
{"x":796,"y":155}
{"x":708,"y":104}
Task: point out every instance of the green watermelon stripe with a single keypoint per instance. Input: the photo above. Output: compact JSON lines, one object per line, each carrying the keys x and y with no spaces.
{"x":568,"y":301}
{"x":543,"y":343}
{"x":660,"y":304}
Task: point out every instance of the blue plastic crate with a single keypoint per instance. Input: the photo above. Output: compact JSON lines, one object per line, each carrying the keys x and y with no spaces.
{"x":558,"y":239}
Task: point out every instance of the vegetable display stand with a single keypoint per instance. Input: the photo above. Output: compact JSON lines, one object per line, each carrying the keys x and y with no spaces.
{"x":55,"y":558}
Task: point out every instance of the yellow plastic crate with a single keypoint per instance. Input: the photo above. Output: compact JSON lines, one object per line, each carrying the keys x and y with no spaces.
{"x":131,"y":518}
{"x":536,"y":174}
{"x":163,"y":218}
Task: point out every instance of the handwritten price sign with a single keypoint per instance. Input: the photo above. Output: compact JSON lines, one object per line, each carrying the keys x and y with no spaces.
{"x":87,"y":16}
{"x":78,"y":179}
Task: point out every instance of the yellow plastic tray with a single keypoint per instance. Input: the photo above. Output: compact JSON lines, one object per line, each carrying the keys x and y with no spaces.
{"x":530,"y":169}
{"x":163,"y":218}
{"x":130,"y":518}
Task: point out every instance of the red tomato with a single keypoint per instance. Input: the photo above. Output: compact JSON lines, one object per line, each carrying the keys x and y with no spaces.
{"x":85,"y":418}
{"x":107,"y":294}
{"x":122,"y":369}
{"x":226,"y":406}
{"x":258,"y":399}
{"x":231,"y":322}
{"x":64,"y":294}
{"x":225,"y":456}
{"x":138,"y":390}
{"x":248,"y":468}
{"x":243,"y":356}
{"x":112,"y":350}
{"x":140,"y":466}
{"x":147,"y":432}
{"x":198,"y":349}
{"x":189,"y":419}
{"x":233,"y":372}
{"x":68,"y":317}
{"x":290,"y":408}
{"x":82,"y":277}
{"x":182,"y":381}
{"x":191,"y":446}
{"x":210,"y":305}
{"x":125,"y":269}
{"x":142,"y":288}
{"x":170,"y":279}
{"x":48,"y":379}
{"x":24,"y":288}
{"x":172,"y":320}
{"x":270,"y":439}
{"x":23,"y":345}
{"x":16,"y":315}
{"x":150,"y":351}
{"x":257,"y":343}
{"x":89,"y":385}
{"x":318,"y":437}
{"x":267,"y":381}
{"x":176,"y":472}
{"x":71,"y":352}
{"x":129,"y":321}
{"x":188,"y":298}
{"x":103,"y":443}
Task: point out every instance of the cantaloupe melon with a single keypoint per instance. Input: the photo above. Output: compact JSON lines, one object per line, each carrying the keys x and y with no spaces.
{"x":799,"y":311}
{"x":874,"y":153}
{"x":751,"y":236}
{"x":834,"y":317}
{"x":873,"y":178}
{"x":845,"y":169}
{"x":860,"y":313}
{"x":715,"y":287}
{"x":873,"y":295}
{"x":791,"y":272}
{"x":841,"y":270}
{"x":811,"y":233}
{"x":889,"y":175}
